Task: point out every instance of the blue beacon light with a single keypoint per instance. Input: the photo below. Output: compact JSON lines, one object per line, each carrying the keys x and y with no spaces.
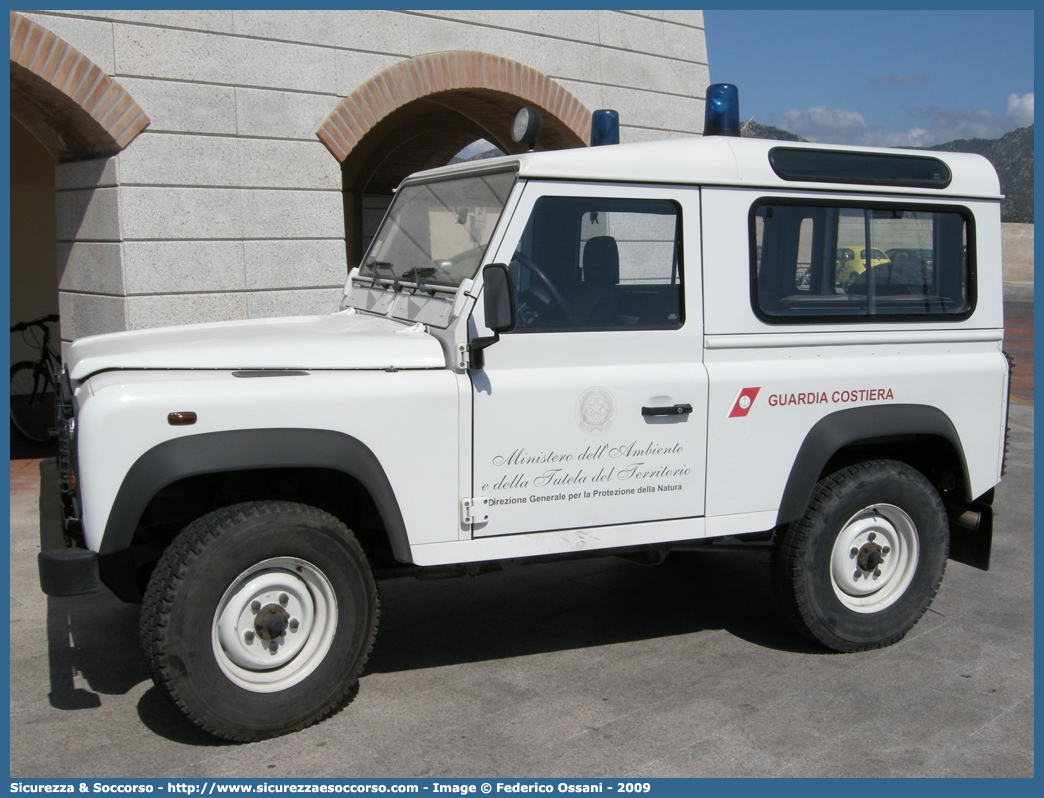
{"x":605,"y":127}
{"x":722,"y":114}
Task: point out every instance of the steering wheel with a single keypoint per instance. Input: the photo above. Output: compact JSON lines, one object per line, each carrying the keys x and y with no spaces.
{"x":555,"y":298}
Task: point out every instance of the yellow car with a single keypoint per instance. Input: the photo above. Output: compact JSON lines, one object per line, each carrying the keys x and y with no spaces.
{"x":847,"y":266}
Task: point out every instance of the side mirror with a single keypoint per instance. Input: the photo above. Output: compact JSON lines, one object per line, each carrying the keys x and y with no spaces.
{"x":498,"y":298}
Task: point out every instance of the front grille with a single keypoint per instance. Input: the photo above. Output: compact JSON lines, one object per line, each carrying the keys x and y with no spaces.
{"x":65,"y":428}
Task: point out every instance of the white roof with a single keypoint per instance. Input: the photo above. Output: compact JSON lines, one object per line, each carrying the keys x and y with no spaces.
{"x":720,"y":161}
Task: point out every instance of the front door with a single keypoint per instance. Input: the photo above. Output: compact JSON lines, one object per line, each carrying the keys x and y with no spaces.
{"x":593,"y":411}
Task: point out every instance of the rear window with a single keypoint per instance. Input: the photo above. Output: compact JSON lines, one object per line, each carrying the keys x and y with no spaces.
{"x":867,"y":168}
{"x":847,"y":262}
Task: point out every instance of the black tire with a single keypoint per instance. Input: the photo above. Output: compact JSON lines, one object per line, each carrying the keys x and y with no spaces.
{"x":32,"y":402}
{"x":885,"y":521}
{"x":199,"y":612}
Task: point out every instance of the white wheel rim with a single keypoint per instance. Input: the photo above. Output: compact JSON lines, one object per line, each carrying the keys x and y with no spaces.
{"x":862,"y":581}
{"x":299,"y":600}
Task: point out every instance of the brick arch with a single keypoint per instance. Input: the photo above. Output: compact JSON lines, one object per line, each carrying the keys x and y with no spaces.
{"x":65,"y":100}
{"x":484,"y":89}
{"x":419,"y":113}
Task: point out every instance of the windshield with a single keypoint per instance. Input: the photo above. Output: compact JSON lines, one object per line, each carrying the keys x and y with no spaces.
{"x":437,"y":232}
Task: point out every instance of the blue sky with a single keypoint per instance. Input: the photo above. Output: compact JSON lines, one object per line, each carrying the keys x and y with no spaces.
{"x":884,"y":78}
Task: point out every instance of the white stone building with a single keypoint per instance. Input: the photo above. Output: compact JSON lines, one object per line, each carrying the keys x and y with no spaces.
{"x":180,"y":166}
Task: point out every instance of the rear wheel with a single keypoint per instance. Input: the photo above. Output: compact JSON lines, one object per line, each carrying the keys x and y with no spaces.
{"x":259,"y":618}
{"x":32,"y":402}
{"x":863,"y":563}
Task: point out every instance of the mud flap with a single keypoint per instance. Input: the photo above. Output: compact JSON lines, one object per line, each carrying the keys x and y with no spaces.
{"x":971,"y":535}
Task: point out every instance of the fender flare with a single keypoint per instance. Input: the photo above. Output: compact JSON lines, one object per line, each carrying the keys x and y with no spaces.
{"x":859,"y":425}
{"x":240,"y":450}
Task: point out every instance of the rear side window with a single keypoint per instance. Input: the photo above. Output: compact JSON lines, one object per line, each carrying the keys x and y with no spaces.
{"x":842,"y":262}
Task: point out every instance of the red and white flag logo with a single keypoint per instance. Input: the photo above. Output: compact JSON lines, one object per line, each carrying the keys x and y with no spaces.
{"x":743,"y":402}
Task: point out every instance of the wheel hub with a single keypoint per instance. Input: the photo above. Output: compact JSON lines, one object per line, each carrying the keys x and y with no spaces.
{"x":271,"y":622}
{"x":869,"y":557}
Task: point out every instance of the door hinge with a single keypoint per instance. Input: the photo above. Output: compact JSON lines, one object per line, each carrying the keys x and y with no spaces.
{"x":474,"y":510}
{"x":463,"y":357}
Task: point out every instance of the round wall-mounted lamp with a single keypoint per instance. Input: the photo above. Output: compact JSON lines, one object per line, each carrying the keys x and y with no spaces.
{"x":527,"y":126}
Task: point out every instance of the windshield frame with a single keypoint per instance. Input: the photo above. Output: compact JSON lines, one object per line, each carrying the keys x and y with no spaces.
{"x":369,"y":269}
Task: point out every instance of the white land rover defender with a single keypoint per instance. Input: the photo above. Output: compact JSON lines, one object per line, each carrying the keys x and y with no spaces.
{"x":611,"y":350}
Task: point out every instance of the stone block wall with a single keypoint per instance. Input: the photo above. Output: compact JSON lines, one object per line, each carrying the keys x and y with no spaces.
{"x":228,"y":206}
{"x":1017,"y":251}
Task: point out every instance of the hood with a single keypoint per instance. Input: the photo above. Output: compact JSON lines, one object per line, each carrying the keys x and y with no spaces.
{"x":339,"y":341}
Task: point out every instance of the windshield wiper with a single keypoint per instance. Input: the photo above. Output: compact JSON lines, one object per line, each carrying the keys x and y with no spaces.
{"x":379,"y":264}
{"x":421,"y":271}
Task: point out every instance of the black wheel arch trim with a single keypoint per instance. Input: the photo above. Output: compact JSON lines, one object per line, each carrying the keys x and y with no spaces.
{"x":241,"y":450}
{"x":859,"y":425}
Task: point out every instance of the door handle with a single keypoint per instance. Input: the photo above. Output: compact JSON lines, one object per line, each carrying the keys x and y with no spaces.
{"x":670,"y":410}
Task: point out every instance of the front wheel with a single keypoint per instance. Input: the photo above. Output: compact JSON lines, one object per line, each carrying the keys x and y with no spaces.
{"x":863,"y":563}
{"x":259,"y":618}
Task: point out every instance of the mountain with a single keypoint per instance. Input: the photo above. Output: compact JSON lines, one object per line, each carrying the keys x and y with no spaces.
{"x":1012,"y":157}
{"x":481,"y":156}
{"x":752,"y":130}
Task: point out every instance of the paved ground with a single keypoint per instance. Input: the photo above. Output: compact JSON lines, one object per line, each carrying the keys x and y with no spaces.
{"x":599,"y":667}
{"x":1018,"y":337}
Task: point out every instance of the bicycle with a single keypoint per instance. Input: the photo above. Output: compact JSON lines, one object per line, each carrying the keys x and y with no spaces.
{"x":33,"y":384}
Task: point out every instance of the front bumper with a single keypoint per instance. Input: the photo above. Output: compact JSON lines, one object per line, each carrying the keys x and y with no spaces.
{"x":64,"y":571}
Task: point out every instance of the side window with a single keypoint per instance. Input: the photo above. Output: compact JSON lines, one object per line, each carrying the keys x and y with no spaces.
{"x":589,"y":263}
{"x":840,"y":262}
